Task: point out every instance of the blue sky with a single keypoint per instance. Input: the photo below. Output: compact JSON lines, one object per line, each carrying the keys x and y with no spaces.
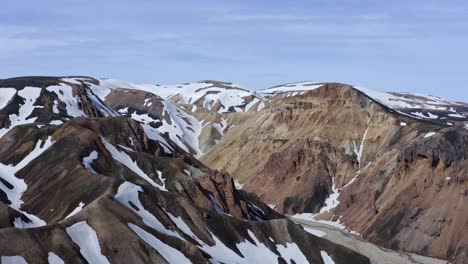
{"x":418,"y":46}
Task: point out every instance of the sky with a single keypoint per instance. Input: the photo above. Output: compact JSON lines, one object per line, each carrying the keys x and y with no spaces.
{"x":401,"y":45}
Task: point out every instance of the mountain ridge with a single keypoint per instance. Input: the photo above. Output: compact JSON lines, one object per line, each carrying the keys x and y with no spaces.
{"x":372,"y":162}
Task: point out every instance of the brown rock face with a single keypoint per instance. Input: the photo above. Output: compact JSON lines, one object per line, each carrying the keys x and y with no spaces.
{"x":393,"y":181}
{"x":304,"y":172}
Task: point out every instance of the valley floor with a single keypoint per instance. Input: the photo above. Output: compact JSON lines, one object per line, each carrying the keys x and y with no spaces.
{"x":377,"y":254}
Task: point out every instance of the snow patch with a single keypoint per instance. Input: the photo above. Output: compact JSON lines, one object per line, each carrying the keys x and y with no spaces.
{"x":179,"y":222}
{"x":429,"y":115}
{"x":183,"y":126}
{"x":291,"y":87}
{"x":13,"y":260}
{"x":220,"y":127}
{"x":7,"y":172}
{"x":127,"y":161}
{"x":291,"y":253}
{"x":127,"y":194}
{"x":430,"y":134}
{"x":30,"y":95}
{"x":359,"y":151}
{"x":86,"y":239}
{"x":238,"y":185}
{"x":332,"y":201}
{"x":6,"y":94}
{"x":52,"y":258}
{"x":163,"y":181}
{"x":326,"y":258}
{"x":76,"y":210}
{"x":152,"y":134}
{"x":171,"y":254}
{"x":56,"y":122}
{"x":65,"y":94}
{"x":314,"y":232}
{"x":88,"y":160}
{"x":188,"y":173}
{"x":71,"y":80}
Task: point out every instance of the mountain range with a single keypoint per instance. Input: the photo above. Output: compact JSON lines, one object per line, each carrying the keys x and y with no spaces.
{"x":97,"y":170}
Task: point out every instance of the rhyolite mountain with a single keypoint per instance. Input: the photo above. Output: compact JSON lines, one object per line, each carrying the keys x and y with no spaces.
{"x":100,"y":170}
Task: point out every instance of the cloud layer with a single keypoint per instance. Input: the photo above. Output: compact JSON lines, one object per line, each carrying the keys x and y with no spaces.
{"x":393,"y":45}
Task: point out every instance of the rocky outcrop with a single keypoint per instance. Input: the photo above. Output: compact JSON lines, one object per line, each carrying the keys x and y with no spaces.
{"x":447,"y":146}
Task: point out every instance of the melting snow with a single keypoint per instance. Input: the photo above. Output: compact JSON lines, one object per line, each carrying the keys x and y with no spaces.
{"x":457,"y":115}
{"x":179,"y":222}
{"x":326,"y":258}
{"x":314,"y":232}
{"x":203,"y":93}
{"x":71,"y":80}
{"x":429,"y":115}
{"x":30,"y":94}
{"x":292,"y":87}
{"x":260,"y":106}
{"x":291,"y":253}
{"x":238,"y":185}
{"x":127,"y":161}
{"x":403,"y":124}
{"x":253,"y":253}
{"x":13,"y":260}
{"x":183,"y":126}
{"x":52,"y":258}
{"x":171,"y":254}
{"x":103,"y":108}
{"x":86,"y":238}
{"x":6,"y":94}
{"x":310,"y":217}
{"x":163,"y":181}
{"x":252,"y":103}
{"x":187,"y":172}
{"x":76,"y":210}
{"x":359,"y":151}
{"x":155,"y":135}
{"x":215,"y":204}
{"x":128,"y":193}
{"x":56,"y":122}
{"x":430,"y":134}
{"x":65,"y":94}
{"x":7,"y":172}
{"x":332,"y":200}
{"x":220,"y":127}
{"x":89,"y":159}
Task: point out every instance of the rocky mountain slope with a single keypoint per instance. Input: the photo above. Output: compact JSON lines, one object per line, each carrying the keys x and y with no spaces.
{"x":89,"y":177}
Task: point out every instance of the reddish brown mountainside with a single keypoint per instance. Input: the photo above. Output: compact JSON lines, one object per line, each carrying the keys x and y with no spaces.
{"x":404,"y":187}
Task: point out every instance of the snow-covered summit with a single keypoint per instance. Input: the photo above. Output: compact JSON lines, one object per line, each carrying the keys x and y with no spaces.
{"x":211,"y":95}
{"x":290,"y":88}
